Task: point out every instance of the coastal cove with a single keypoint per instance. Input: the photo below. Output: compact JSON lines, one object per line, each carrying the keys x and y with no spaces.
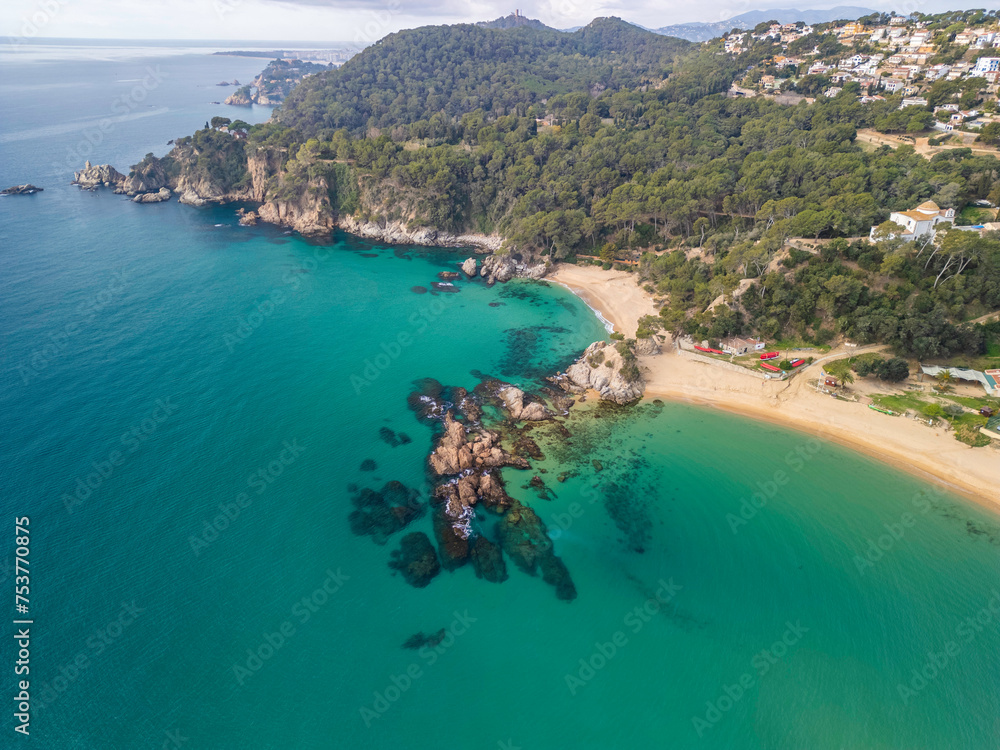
{"x":926,"y":453}
{"x":195,"y":410}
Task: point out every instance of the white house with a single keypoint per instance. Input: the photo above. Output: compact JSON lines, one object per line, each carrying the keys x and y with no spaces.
{"x":740,"y":346}
{"x":920,"y":221}
{"x":986,"y":65}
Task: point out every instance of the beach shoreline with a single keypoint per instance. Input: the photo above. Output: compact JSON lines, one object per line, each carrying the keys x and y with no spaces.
{"x":930,"y":454}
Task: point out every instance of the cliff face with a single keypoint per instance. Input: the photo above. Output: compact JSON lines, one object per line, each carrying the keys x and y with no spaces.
{"x":396,"y":232}
{"x":302,"y":195}
{"x":309,"y":212}
{"x":148,"y":176}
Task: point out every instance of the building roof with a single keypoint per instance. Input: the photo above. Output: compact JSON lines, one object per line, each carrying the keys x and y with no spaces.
{"x":988,"y":378}
{"x":924,"y":212}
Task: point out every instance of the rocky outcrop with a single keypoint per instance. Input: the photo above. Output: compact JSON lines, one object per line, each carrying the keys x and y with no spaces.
{"x":248,"y":218}
{"x":647,"y":347}
{"x":242,"y":97}
{"x":504,"y":267}
{"x":608,"y":368}
{"x":26,"y":189}
{"x":520,"y":407}
{"x":192,"y":198}
{"x":468,"y":459}
{"x":101,"y":175}
{"x":148,"y":176}
{"x":458,"y":451}
{"x":470,"y":268}
{"x":163,"y":194}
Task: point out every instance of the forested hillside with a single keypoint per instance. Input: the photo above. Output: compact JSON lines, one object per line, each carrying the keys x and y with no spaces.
{"x":616,"y":142}
{"x":442,"y":72}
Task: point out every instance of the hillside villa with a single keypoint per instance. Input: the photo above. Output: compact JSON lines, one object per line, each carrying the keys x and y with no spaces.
{"x":920,"y":221}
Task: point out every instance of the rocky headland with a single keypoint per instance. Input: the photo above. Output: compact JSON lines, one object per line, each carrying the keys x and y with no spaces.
{"x":288,"y":200}
{"x":608,"y":368}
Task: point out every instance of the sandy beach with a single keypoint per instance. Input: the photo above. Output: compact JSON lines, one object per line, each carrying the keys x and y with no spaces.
{"x":929,"y":453}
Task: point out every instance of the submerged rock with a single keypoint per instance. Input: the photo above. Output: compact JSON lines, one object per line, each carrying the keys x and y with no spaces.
{"x":381,"y":513}
{"x":393,"y":439}
{"x":453,"y":541}
{"x":487,"y":560}
{"x":524,"y":539}
{"x":416,"y":560}
{"x":419,"y":640}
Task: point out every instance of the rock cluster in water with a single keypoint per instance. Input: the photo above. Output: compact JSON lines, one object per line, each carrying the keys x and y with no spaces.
{"x":477,"y":434}
{"x":504,"y":267}
{"x":92,"y":177}
{"x":470,"y":497}
{"x":26,"y":189}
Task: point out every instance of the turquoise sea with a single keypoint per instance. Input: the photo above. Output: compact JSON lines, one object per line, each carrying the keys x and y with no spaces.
{"x":185,"y":403}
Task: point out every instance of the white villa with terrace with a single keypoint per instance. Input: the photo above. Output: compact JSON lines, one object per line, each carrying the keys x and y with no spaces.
{"x":920,"y":221}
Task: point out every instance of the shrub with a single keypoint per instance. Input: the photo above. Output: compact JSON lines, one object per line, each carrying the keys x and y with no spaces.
{"x":894,"y":370}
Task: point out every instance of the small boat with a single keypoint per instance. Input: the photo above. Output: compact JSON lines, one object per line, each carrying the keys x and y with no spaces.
{"x":706,"y":349}
{"x":798,"y":362}
{"x":772,"y":368}
{"x":770,"y":355}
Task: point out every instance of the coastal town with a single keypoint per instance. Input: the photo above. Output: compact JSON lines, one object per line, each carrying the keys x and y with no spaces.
{"x":951,"y":70}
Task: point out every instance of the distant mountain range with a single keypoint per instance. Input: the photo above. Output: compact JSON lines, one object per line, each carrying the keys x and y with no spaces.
{"x":702,"y":32}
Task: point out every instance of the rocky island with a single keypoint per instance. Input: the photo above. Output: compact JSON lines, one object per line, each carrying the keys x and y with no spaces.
{"x":26,"y":189}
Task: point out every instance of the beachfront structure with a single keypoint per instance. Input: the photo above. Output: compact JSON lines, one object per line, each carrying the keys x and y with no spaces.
{"x":990,"y":379}
{"x":740,"y":346}
{"x":919,"y":222}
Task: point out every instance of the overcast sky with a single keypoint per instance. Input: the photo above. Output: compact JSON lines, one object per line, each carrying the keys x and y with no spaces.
{"x":360,"y":20}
